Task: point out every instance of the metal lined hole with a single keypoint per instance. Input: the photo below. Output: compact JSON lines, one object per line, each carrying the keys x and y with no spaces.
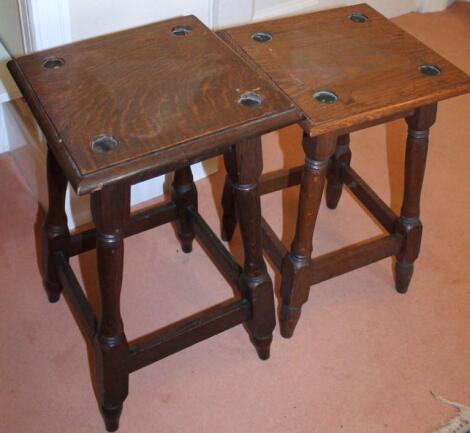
{"x":53,"y":62}
{"x":431,"y":70}
{"x":325,"y":97}
{"x":250,"y":99}
{"x":357,"y":17}
{"x":262,"y":37}
{"x":181,"y":30}
{"x":104,"y":143}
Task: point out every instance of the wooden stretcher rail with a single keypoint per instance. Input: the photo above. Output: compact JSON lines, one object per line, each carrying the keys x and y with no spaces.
{"x":77,"y":300}
{"x":353,"y":257}
{"x":139,"y":222}
{"x":336,"y":262}
{"x":377,"y":207}
{"x":280,"y":179}
{"x":272,"y":244}
{"x":187,"y":332}
{"x":222,"y":258}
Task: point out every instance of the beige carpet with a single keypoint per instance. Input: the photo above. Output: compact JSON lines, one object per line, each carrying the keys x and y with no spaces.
{"x":364,"y":358}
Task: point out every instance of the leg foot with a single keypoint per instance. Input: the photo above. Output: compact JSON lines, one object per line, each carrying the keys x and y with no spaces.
{"x":263,"y":346}
{"x":186,"y":244}
{"x":111,"y":417}
{"x":289,"y":316}
{"x":53,"y":291}
{"x":333,"y":194}
{"x":403,"y":274}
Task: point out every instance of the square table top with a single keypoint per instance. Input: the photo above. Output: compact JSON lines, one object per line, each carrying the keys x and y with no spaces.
{"x":159,"y":94}
{"x":366,"y":61}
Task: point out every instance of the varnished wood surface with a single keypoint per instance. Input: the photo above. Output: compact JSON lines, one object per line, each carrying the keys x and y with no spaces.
{"x":373,"y":67}
{"x":152,"y":91}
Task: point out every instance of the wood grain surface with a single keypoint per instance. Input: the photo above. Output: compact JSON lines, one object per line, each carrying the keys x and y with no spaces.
{"x":373,"y":67}
{"x":151,"y":90}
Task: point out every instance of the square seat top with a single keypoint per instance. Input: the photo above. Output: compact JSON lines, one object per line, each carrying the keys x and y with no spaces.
{"x":128,"y":104}
{"x":348,"y":67}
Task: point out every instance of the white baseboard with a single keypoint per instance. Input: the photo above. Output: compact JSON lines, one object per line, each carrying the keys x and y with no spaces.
{"x":386,"y":7}
{"x":4,"y":141}
{"x":425,"y":6}
{"x":286,"y":8}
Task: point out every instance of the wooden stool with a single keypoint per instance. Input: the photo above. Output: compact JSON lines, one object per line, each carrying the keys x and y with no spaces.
{"x":346,"y":69}
{"x":123,"y":108}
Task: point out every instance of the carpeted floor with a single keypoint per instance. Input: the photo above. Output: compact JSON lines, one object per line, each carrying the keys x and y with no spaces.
{"x":364,"y":359}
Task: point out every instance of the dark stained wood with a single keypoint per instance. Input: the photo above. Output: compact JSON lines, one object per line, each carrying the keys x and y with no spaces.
{"x":280,"y":179}
{"x":409,"y":223}
{"x":56,"y":236}
{"x":139,"y":222}
{"x":245,"y":167}
{"x":374,"y":204}
{"x":187,"y":332}
{"x":76,"y":298}
{"x":184,"y":195}
{"x":111,"y":210}
{"x":353,"y":257}
{"x":372,"y":67}
{"x":146,"y":88}
{"x":229,"y":211}
{"x":294,"y":285}
{"x":215,"y":249}
{"x":371,"y":72}
{"x":272,"y":244}
{"x":337,"y":262}
{"x":163,"y":102}
{"x":335,"y":177}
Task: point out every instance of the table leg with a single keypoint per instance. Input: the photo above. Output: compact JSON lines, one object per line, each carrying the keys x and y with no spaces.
{"x":409,"y":224}
{"x":111,"y":210}
{"x":295,"y":285}
{"x":184,"y":194}
{"x":334,"y":178}
{"x":56,"y":233}
{"x":244,"y":171}
{"x":229,"y":216}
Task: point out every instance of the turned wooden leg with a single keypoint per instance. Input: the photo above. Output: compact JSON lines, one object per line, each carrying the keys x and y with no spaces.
{"x":295,"y":285}
{"x":244,"y":170}
{"x":229,"y":215}
{"x":184,"y":194}
{"x":409,"y":224}
{"x":334,"y":178}
{"x":111,"y":209}
{"x":56,"y":233}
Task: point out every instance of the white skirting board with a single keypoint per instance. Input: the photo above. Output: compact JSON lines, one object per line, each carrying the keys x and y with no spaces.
{"x":269,"y":9}
{"x":28,"y":149}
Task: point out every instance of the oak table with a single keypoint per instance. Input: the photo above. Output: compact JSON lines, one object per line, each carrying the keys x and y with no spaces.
{"x":126,"y":107}
{"x":345,"y":69}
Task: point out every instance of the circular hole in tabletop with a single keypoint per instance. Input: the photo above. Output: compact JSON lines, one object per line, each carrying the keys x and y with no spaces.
{"x":53,"y":62}
{"x":262,"y":37}
{"x":104,"y":143}
{"x":431,"y":70}
{"x":250,"y":99}
{"x":181,"y":30}
{"x":325,"y":97}
{"x":357,"y":17}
